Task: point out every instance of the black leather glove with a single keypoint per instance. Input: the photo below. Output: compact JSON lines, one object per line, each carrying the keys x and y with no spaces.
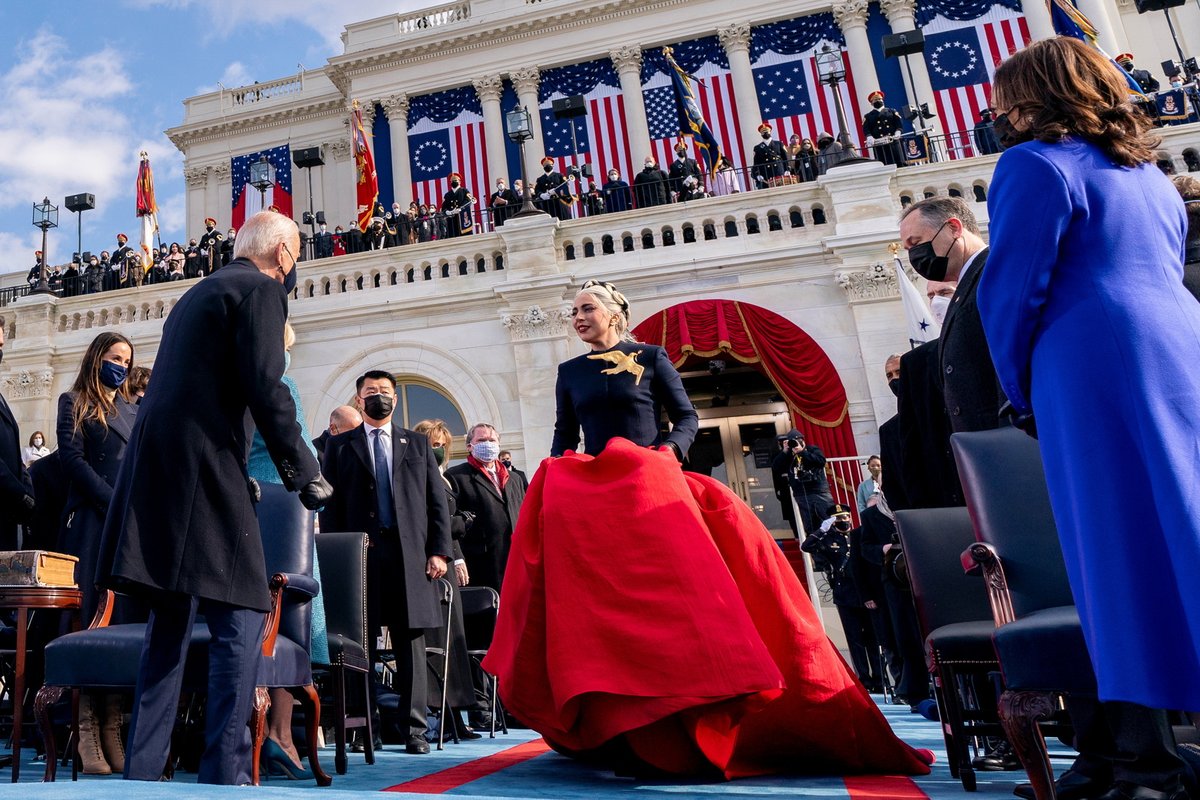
{"x":468,"y":519}
{"x":316,"y":493}
{"x":28,"y":502}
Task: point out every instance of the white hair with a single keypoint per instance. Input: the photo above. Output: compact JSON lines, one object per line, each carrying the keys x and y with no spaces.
{"x":262,"y":233}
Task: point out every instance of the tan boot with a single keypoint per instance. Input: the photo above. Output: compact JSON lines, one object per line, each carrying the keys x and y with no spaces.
{"x":110,"y":733}
{"x":90,"y":752}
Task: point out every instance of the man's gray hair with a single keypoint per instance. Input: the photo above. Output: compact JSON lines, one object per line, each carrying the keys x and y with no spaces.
{"x":262,"y":233}
{"x":477,"y":426}
{"x":936,"y":210}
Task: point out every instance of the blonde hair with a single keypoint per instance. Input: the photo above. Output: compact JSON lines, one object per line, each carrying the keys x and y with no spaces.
{"x":434,"y":429}
{"x":614,"y":302}
{"x":289,"y":336}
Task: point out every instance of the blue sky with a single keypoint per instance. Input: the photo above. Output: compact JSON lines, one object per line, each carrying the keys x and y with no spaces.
{"x":86,"y":84}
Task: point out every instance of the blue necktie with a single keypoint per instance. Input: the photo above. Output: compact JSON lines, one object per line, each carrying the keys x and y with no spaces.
{"x":383,"y":483}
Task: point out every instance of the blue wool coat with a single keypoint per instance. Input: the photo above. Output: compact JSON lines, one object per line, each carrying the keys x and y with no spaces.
{"x":1090,"y":328}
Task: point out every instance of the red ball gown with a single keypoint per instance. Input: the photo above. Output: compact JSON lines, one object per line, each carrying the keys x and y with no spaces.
{"x":646,"y":611}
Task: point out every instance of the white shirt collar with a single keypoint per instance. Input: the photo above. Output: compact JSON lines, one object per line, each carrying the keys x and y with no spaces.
{"x":962,"y":272}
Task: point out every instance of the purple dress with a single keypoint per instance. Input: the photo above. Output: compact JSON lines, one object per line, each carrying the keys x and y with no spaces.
{"x":1091,"y":328}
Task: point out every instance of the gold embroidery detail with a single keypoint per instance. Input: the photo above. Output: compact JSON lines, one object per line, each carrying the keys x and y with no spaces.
{"x":623,"y":362}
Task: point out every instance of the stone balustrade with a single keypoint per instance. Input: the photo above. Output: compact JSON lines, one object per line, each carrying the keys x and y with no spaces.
{"x":435,"y":17}
{"x":258,"y":92}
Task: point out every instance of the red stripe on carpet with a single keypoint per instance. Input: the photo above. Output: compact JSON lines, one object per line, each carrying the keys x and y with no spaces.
{"x":883,"y":787}
{"x":452,"y":778}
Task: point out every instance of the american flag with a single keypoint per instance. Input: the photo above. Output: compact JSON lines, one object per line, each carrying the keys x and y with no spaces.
{"x":247,"y":201}
{"x":962,"y":59}
{"x":705,"y":60}
{"x":794,"y":101}
{"x":445,"y":135}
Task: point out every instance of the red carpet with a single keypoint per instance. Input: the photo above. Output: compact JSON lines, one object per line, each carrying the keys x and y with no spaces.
{"x":447,"y":779}
{"x":883,"y":787}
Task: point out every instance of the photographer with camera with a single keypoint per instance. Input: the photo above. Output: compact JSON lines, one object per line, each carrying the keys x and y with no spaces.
{"x":806,"y":475}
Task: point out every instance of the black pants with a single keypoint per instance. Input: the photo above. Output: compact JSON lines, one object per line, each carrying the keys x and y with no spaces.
{"x":1124,"y":742}
{"x":233,"y":657}
{"x":860,"y":641}
{"x":412,"y":676}
{"x":914,"y":675}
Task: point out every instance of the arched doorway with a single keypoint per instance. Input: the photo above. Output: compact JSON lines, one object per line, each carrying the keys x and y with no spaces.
{"x":753,"y":376}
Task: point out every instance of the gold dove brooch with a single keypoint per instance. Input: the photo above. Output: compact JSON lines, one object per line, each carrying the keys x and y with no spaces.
{"x":622,"y":362}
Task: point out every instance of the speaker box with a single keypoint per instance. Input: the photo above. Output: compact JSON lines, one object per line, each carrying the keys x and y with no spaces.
{"x":307,"y":157}
{"x":80,"y":202}
{"x":1145,"y":6}
{"x":568,"y":107}
{"x":905,"y":43}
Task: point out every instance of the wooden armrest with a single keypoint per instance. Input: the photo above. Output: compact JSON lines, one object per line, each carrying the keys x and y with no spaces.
{"x":983,"y":557}
{"x":277,"y":584}
{"x":104,"y":610}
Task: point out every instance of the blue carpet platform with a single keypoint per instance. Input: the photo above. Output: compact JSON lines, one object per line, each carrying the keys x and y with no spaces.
{"x":519,"y":766}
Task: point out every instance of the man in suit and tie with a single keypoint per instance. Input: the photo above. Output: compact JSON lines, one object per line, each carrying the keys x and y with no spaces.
{"x":386,"y":482}
{"x":944,"y":244}
{"x":489,"y":490}
{"x":16,"y":490}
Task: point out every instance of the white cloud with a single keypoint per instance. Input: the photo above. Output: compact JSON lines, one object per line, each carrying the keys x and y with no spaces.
{"x":234,"y":75}
{"x":64,"y":130}
{"x":327,"y":19}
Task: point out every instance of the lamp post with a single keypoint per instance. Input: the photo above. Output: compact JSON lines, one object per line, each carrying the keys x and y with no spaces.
{"x":519,"y":128}
{"x":262,"y":177}
{"x":45,"y":216}
{"x":832,"y":71}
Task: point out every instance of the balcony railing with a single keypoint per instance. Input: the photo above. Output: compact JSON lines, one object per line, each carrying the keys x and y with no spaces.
{"x":436,"y":17}
{"x":258,"y":92}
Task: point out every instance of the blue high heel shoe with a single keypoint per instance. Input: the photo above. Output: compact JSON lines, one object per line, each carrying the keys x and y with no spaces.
{"x":278,"y":765}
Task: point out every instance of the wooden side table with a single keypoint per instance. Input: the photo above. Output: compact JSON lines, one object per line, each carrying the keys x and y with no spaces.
{"x":24,"y":599}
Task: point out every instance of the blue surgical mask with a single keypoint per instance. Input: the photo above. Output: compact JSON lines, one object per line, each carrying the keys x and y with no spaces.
{"x":486,"y":451}
{"x":287,"y":360}
{"x":112,"y":375}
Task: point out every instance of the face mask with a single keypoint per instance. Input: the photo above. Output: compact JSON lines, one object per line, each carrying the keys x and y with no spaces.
{"x":37,"y":442}
{"x":842,"y":525}
{"x":289,"y":281}
{"x":378,"y":406}
{"x":439,"y":453}
{"x":499,"y":187}
{"x":649,"y":165}
{"x":680,"y":154}
{"x":208,"y":228}
{"x":894,"y":385}
{"x":1176,"y":85}
{"x":766,"y":137}
{"x":928,"y":264}
{"x":612,"y":176}
{"x":485,"y":451}
{"x":548,"y":167}
{"x":287,"y":360}
{"x":112,"y":375}
{"x":1007,"y":133}
{"x":938,"y":306}
{"x":878,"y":104}
{"x":454,"y":184}
{"x":507,"y":463}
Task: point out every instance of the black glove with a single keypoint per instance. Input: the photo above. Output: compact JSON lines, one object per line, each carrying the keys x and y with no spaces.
{"x":1024,"y":422}
{"x":255,"y":491}
{"x":468,"y":519}
{"x":28,"y":502}
{"x":316,"y":493}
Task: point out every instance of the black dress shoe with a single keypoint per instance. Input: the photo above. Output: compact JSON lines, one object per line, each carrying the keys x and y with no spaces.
{"x":417,"y":746}
{"x":999,"y":759}
{"x":1131,"y":791}
{"x":1071,"y":785}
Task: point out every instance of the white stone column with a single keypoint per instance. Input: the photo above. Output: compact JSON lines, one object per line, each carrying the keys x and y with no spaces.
{"x":628,"y":63}
{"x":851,"y":17}
{"x":196,"y":179}
{"x":1110,"y":37}
{"x":489,"y":88}
{"x":525,"y":81}
{"x":736,"y":41}
{"x":221,"y":202}
{"x":1037,"y":15}
{"x":396,"y":108}
{"x":901,"y":16}
{"x":342,"y":183}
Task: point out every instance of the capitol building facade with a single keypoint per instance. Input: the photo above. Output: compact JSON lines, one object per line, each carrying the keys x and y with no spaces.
{"x":780,"y":304}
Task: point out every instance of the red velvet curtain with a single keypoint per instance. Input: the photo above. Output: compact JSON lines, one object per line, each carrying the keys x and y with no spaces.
{"x":799,"y":368}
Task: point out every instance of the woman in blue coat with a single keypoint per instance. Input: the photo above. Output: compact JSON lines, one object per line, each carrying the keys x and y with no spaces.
{"x":1093,"y":334}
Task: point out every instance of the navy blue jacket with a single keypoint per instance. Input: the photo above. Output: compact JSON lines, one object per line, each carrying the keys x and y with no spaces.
{"x":621,"y":404}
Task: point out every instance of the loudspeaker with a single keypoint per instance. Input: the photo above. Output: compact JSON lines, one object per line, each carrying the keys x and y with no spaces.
{"x":80,"y":202}
{"x":307,"y":157}
{"x":905,"y":43}
{"x":568,"y":107}
{"x":1145,"y":6}
{"x":1170,"y":68}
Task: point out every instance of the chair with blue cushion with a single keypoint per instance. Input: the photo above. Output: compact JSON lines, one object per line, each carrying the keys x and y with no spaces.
{"x":1038,"y":638}
{"x":956,"y":621}
{"x":107,"y":656}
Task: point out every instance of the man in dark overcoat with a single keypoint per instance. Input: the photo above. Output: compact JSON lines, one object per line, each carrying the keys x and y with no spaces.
{"x":407,"y":519}
{"x":490,"y":491}
{"x":181,"y":529}
{"x":16,"y":490}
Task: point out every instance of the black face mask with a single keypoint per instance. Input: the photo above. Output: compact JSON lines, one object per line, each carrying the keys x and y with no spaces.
{"x":842,"y":525}
{"x":926,"y":262}
{"x":548,"y":168}
{"x":378,"y":406}
{"x":1007,"y":133}
{"x":878,"y":104}
{"x":454,"y":184}
{"x":894,"y":385}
